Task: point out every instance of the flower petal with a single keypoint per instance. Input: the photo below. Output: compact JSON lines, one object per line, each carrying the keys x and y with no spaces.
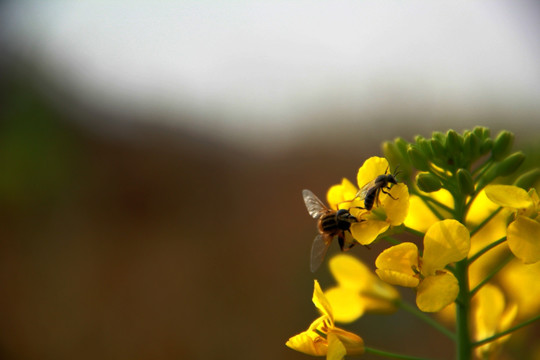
{"x":336,"y":349}
{"x":396,"y":210}
{"x":445,"y":242}
{"x":395,"y":265}
{"x":341,"y":194}
{"x":372,"y":167}
{"x":350,"y":273}
{"x":309,"y":342}
{"x":347,"y":305}
{"x":352,"y":342}
{"x":436,"y":292}
{"x":508,"y":196}
{"x":366,"y":232}
{"x":419,"y":216}
{"x":321,"y":302}
{"x":524,"y":239}
{"x":521,"y":283}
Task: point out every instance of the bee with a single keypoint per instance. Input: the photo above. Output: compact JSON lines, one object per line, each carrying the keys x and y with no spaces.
{"x":330,"y":223}
{"x":371,"y":191}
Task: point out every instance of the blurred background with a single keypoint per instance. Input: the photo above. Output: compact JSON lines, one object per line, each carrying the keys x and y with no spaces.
{"x":152,"y":157}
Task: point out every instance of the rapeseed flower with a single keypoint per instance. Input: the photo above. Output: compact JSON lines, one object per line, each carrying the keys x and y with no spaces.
{"x":323,"y":337}
{"x":491,"y":315}
{"x":445,"y":242}
{"x":389,"y":210}
{"x":523,"y":233}
{"x":358,"y":290}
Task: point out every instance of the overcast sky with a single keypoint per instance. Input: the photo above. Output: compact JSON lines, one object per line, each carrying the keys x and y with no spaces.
{"x":246,"y":64}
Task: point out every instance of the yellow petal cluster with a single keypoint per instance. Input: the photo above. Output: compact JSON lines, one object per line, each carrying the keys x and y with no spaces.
{"x":389,"y":212}
{"x":323,"y":337}
{"x":358,"y":290}
{"x":491,"y":315}
{"x":445,"y":242}
{"x":523,"y":233}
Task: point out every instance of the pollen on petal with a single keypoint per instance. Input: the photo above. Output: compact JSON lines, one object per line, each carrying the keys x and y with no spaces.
{"x":396,"y":265}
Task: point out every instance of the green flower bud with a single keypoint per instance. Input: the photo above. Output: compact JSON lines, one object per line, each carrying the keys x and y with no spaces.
{"x":438,"y":149}
{"x":425,"y":147}
{"x":418,"y":159}
{"x":482,"y":132}
{"x":509,"y":165}
{"x":437,"y":135}
{"x":454,"y":142}
{"x":528,"y":180}
{"x":391,"y":152}
{"x":471,"y":146}
{"x":502,"y":145}
{"x":402,"y":146}
{"x":465,"y":181}
{"x":486,"y":146}
{"x":428,"y":182}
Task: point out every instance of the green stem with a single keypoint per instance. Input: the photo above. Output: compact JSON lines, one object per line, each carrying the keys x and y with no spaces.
{"x":392,"y":240}
{"x":464,"y":347}
{"x":506,"y":332}
{"x":486,"y":220}
{"x":413,"y":231}
{"x":491,"y":275}
{"x":486,"y":249}
{"x":426,"y":318}
{"x":391,"y":355}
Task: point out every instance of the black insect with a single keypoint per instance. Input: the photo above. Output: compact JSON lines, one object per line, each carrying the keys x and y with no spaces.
{"x":370,"y":192}
{"x":330,"y":223}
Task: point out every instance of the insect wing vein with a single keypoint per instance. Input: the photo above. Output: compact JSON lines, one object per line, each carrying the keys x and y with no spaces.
{"x":314,"y":206}
{"x":318,"y":251}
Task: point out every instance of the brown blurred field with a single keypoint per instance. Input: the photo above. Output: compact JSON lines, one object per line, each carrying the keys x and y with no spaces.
{"x":149,"y":242}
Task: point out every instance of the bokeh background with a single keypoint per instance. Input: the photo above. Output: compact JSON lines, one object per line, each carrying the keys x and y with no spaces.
{"x":152,"y":157}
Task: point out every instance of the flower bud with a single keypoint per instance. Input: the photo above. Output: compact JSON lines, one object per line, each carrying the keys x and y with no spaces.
{"x":428,"y":182}
{"x":465,"y":181}
{"x":424,"y":146}
{"x":454,"y":142}
{"x":402,"y":146}
{"x":471,"y":146}
{"x":528,"y":180}
{"x":391,"y":152}
{"x":482,"y":132}
{"x":418,"y":159}
{"x":438,"y":149}
{"x":486,"y":146}
{"x":502,"y":145}
{"x":510,"y":164}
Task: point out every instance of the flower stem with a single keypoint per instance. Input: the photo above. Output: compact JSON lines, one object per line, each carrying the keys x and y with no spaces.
{"x":506,"y":332}
{"x":391,"y":355}
{"x":462,"y":312}
{"x":491,"y":275}
{"x":486,"y":249}
{"x":426,"y":318}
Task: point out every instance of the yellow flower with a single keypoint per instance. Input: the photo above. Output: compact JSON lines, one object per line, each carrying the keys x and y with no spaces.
{"x":387,"y":210}
{"x":322,"y":337}
{"x":491,"y":315}
{"x":445,"y":242}
{"x":420,"y":216}
{"x":522,"y":285}
{"x":523,"y":233}
{"x":358,"y":290}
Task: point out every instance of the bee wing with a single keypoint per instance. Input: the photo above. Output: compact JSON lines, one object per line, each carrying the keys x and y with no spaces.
{"x":318,"y":251}
{"x":315,"y":207}
{"x":364,"y":189}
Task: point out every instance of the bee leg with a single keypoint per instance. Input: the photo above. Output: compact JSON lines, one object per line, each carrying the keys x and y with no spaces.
{"x":387,"y":193}
{"x":341,"y":241}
